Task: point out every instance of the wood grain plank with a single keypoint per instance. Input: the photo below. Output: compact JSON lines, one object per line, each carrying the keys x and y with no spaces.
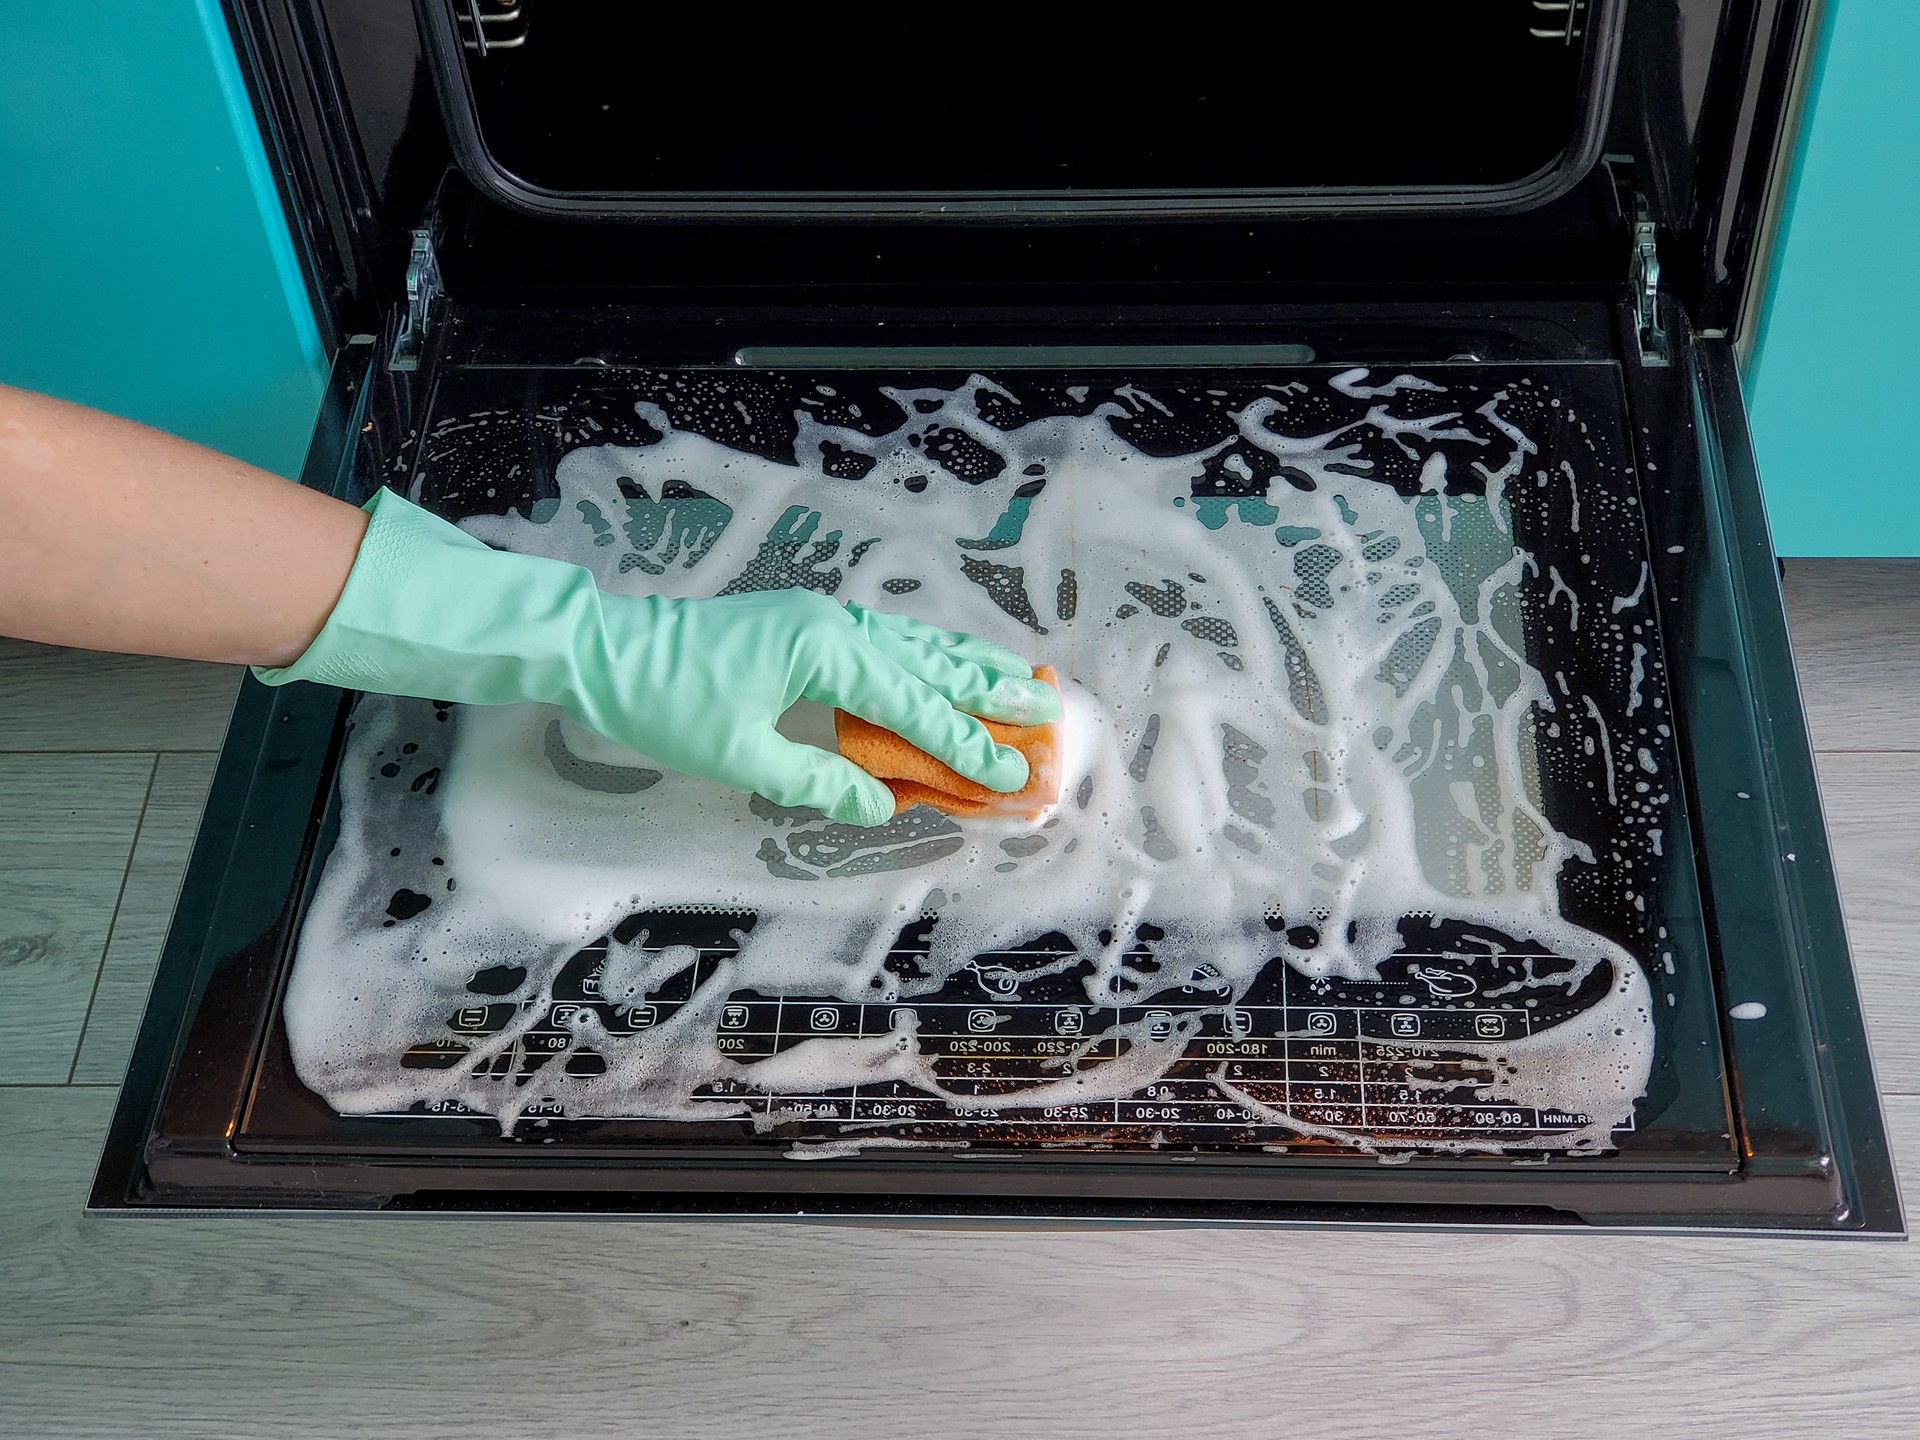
{"x":80,"y":700}
{"x":167,"y":828}
{"x":67,"y":825}
{"x":112,"y":1326}
{"x":1856,"y":642}
{"x":1873,"y":819}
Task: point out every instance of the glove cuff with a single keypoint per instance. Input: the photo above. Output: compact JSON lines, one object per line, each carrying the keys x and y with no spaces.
{"x":431,"y":612}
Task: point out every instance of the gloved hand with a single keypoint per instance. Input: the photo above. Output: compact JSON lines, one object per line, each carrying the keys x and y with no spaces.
{"x":431,"y":612}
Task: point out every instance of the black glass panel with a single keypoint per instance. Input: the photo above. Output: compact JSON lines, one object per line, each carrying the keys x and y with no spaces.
{"x":584,"y":98}
{"x":1390,"y":1058}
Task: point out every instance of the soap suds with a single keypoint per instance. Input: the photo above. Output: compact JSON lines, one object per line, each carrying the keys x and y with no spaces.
{"x":1377,"y":752}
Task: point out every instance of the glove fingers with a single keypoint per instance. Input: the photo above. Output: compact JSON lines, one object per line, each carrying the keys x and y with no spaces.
{"x":974,"y":688}
{"x":861,"y":678}
{"x":789,"y":773}
{"x":956,"y":643}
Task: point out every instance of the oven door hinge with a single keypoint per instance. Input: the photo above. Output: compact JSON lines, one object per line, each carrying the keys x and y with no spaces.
{"x":423,"y":303}
{"x":1643,"y":284}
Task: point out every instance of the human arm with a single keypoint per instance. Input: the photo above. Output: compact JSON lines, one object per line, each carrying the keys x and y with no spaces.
{"x":117,"y":537}
{"x":114,"y":536}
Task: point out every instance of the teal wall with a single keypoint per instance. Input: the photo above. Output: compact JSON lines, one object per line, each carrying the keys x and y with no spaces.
{"x":1834,"y":387}
{"x":145,"y":264}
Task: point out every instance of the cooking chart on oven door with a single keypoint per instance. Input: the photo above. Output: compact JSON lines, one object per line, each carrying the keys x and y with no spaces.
{"x":1407,"y":1058}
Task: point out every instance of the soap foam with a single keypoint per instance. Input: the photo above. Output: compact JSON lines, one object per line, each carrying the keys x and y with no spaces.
{"x":1269,"y":700}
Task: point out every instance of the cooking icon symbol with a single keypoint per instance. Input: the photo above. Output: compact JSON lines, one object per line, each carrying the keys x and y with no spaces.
{"x":1444,"y":984}
{"x":997,"y":979}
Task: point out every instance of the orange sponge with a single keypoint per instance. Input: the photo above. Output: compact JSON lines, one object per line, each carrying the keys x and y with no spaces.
{"x":915,"y":777}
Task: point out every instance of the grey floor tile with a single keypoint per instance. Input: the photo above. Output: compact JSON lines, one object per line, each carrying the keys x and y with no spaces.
{"x":380,"y":1325}
{"x":153,"y":880}
{"x":67,"y":826}
{"x":53,"y":698}
{"x":1856,"y":640}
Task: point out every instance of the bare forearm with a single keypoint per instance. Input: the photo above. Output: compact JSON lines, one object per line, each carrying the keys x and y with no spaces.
{"x":117,"y":537}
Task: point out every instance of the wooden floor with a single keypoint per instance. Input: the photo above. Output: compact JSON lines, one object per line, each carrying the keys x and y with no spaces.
{"x":132,"y":1326}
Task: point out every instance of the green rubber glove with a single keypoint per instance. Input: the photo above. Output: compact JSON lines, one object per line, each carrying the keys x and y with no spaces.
{"x":431,"y":612}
